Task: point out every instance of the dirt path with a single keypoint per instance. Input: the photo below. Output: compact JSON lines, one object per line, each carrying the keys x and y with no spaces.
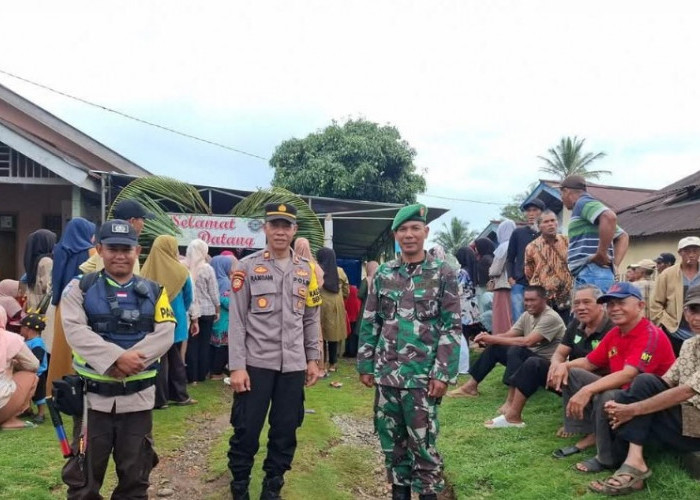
{"x":183,"y":473}
{"x":358,"y":432}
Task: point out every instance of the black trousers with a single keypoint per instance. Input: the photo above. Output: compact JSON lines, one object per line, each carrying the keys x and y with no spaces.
{"x":171,"y":382}
{"x":512,"y":357}
{"x":125,"y":436}
{"x":531,"y":376}
{"x":219,"y":358}
{"x":332,"y":349}
{"x":198,"y":356}
{"x":351,"y":343}
{"x":663,"y":427}
{"x":283,"y":395}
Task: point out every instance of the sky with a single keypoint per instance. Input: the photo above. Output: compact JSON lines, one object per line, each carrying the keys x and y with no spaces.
{"x":479,"y":89}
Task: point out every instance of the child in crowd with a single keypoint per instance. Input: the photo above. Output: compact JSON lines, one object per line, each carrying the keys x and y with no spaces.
{"x":31,"y":327}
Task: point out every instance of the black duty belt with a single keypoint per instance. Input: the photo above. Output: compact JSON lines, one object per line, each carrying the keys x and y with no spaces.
{"x":111,"y":389}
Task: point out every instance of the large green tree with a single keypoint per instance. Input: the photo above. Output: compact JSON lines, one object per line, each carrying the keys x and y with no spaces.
{"x":357,"y":160}
{"x":567,"y":158}
{"x":455,"y":235}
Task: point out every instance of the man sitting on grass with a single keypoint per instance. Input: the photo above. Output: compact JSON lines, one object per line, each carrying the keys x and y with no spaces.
{"x":633,"y":346}
{"x":663,"y":409}
{"x":582,"y":336}
{"x":536,"y":333}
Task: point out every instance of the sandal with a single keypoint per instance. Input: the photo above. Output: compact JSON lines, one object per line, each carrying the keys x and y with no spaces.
{"x":187,"y":402}
{"x":566,"y":451}
{"x":592,"y":465}
{"x":459,"y":393}
{"x":625,"y":480}
{"x":500,"y":422}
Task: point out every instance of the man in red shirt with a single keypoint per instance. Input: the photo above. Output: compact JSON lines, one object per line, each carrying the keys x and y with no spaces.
{"x":632,"y":347}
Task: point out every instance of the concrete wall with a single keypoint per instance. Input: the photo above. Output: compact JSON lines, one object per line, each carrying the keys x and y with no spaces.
{"x":649,"y":247}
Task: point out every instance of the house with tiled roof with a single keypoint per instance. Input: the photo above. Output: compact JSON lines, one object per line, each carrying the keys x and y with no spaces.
{"x":656,"y":224}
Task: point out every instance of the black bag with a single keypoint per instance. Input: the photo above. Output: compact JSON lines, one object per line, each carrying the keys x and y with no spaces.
{"x":68,"y":395}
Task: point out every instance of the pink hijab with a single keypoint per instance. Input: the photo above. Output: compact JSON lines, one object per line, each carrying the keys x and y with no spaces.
{"x":10,"y":305}
{"x":9,"y":288}
{"x":10,"y":343}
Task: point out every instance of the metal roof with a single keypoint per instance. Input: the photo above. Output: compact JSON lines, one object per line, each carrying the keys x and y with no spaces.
{"x":35,"y":121}
{"x":615,"y":197}
{"x":672,"y":209}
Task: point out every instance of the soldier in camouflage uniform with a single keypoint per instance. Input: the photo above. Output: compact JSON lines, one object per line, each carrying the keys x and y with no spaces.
{"x":409,"y":350}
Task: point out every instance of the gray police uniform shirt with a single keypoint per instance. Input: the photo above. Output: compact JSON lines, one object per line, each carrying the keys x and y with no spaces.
{"x":101,"y":355}
{"x":270,"y":324}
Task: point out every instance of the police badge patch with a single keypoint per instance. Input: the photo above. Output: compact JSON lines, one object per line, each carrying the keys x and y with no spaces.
{"x":237,"y":281}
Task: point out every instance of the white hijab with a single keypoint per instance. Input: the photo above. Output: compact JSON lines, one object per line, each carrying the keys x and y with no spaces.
{"x":196,"y":256}
{"x":503,"y":233}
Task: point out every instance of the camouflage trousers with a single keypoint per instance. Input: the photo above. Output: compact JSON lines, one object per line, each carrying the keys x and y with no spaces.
{"x":407,"y":425}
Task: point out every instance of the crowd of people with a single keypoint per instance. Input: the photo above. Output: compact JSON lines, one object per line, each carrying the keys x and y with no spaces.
{"x":620,"y":350}
{"x":556,"y":313}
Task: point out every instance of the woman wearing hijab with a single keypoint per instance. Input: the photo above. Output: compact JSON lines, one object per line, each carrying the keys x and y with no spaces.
{"x":501,"y":319}
{"x":303,"y":248}
{"x":353,"y":305}
{"x":9,"y":300}
{"x":164,"y":267}
{"x":333,"y":292}
{"x":207,"y":304}
{"x":471,"y":315}
{"x":75,"y":247}
{"x":223,"y":269}
{"x":484,"y":248}
{"x":38,"y":265}
{"x":18,"y":379}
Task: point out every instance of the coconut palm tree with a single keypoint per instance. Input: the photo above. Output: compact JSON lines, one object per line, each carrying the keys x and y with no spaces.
{"x":566,"y":159}
{"x":308,"y":224}
{"x":454,"y":236}
{"x":161,"y":195}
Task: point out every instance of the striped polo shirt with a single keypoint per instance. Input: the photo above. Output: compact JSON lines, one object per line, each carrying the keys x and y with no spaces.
{"x":583,"y":232}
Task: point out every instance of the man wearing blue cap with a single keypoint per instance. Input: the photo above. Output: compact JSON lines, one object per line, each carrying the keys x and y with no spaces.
{"x":409,"y":352}
{"x":633,"y":346}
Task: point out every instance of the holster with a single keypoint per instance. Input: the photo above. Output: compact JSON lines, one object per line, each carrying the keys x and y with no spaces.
{"x":68,"y":395}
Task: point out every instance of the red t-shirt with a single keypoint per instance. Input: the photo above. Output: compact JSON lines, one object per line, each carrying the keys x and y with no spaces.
{"x":645,"y":347}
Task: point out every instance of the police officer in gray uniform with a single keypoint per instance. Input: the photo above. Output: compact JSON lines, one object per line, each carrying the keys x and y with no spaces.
{"x":118,"y":325}
{"x":273,"y":352}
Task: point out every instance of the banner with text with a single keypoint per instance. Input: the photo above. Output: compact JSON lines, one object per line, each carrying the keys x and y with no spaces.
{"x":220,"y":230}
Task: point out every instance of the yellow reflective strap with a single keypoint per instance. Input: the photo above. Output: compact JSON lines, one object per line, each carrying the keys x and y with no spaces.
{"x":163,"y":311}
{"x":313,"y":297}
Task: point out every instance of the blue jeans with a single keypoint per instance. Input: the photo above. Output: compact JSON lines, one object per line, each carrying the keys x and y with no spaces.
{"x":593,"y":274}
{"x":517,"y":304}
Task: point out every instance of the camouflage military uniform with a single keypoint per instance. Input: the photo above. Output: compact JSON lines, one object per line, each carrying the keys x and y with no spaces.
{"x":410,"y":334}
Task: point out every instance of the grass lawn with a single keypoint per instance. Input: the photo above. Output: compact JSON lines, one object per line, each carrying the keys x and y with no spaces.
{"x":517,"y":463}
{"x":479,"y":463}
{"x":31,"y":460}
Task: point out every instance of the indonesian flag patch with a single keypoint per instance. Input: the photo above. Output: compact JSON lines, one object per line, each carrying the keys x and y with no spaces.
{"x":237,"y":280}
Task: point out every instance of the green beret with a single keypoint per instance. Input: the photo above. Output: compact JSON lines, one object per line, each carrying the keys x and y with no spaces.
{"x":417,"y":212}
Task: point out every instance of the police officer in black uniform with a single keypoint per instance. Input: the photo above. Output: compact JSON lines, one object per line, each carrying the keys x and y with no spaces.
{"x":118,"y":326}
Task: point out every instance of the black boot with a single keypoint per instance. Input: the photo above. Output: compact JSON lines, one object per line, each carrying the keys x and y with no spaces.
{"x":399,"y":492}
{"x":428,"y":496}
{"x":271,"y":488}
{"x":239,"y":489}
